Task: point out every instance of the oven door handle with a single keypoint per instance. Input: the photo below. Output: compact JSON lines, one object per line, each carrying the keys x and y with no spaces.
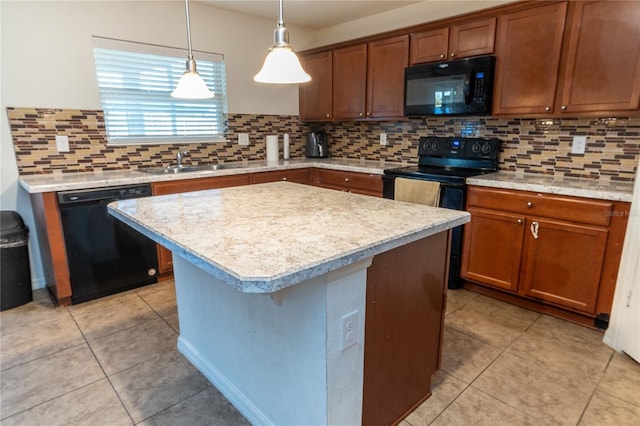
{"x":469,"y":87}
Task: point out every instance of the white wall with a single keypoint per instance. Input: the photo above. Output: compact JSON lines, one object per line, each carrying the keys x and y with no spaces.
{"x":47,"y":62}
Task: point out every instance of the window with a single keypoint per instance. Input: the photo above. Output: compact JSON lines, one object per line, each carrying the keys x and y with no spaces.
{"x":135,"y":82}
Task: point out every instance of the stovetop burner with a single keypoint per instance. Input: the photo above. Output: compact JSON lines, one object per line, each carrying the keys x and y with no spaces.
{"x":452,"y":159}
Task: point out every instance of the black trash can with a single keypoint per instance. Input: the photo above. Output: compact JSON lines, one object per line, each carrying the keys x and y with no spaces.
{"x":15,"y":276}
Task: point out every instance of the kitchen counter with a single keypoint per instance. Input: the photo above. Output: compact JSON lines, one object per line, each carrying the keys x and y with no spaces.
{"x":577,"y":187}
{"x":274,"y":285}
{"x":74,"y":181}
{"x":267,"y":237}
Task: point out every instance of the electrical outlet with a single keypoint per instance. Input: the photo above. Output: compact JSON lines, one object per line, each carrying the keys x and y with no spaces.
{"x":62,"y":143}
{"x":579,"y":144}
{"x":349,"y":329}
{"x":243,"y":138}
{"x":383,"y":138}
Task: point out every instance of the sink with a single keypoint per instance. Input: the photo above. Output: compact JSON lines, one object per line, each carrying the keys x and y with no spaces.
{"x":186,"y":169}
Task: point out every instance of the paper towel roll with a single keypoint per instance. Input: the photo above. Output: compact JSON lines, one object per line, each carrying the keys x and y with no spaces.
{"x":272,"y":148}
{"x":285,"y":146}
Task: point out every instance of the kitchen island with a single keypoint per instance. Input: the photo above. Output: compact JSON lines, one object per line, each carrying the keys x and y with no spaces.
{"x":278,"y":285}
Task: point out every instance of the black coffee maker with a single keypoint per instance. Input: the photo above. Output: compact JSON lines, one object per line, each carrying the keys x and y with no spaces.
{"x":317,"y":145}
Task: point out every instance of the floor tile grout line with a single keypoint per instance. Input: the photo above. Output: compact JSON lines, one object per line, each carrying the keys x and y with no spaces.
{"x":4,"y":370}
{"x":52,"y":399}
{"x":595,"y":389}
{"x":171,"y":406}
{"x":106,"y":376}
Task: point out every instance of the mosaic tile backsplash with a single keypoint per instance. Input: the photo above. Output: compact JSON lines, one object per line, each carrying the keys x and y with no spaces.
{"x":532,"y":146}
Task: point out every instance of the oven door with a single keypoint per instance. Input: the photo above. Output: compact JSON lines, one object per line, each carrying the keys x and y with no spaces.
{"x":452,"y":196}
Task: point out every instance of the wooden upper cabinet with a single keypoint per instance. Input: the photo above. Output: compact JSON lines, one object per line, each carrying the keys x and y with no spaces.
{"x":602,"y":58}
{"x":385,"y":78}
{"x":472,"y":39}
{"x":315,"y":96}
{"x":429,"y":46}
{"x":458,"y":41}
{"x":528,"y":49}
{"x":350,"y":82}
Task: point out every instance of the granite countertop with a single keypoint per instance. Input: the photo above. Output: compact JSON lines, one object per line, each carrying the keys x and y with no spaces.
{"x":589,"y":188}
{"x":74,"y":181}
{"x":262,"y":238}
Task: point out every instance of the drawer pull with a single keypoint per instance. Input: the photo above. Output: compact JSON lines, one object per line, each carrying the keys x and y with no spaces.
{"x":529,"y":204}
{"x":284,"y":178}
{"x":519,"y":221}
{"x":534,"y":229}
{"x":346,"y":179}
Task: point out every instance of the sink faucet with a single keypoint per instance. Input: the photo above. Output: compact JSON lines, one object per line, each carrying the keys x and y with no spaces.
{"x":179,"y":155}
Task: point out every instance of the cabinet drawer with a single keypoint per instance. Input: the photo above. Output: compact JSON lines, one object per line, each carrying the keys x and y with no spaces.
{"x":200,"y":184}
{"x":298,"y":176}
{"x":349,"y":180}
{"x":573,"y":209}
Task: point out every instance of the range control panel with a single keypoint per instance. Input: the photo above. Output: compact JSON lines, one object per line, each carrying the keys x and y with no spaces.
{"x":459,"y":147}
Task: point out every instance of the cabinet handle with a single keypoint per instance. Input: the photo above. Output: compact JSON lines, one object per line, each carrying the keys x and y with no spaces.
{"x":284,"y":178}
{"x":328,"y":115}
{"x":442,"y":56}
{"x":346,"y":179}
{"x":361,"y":114}
{"x":547,"y":109}
{"x":529,"y":204}
{"x":563,"y":107}
{"x":368,"y":114}
{"x":453,"y":54}
{"x":519,"y":221}
{"x":534,"y":229}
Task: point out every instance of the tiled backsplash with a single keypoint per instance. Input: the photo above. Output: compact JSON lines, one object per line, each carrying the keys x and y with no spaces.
{"x":34,"y":131}
{"x":533,"y":146}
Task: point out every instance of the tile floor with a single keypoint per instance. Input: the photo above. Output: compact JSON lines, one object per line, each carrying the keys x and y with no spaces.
{"x":114,"y":361}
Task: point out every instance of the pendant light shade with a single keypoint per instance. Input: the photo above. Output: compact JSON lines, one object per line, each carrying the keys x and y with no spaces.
{"x":281,"y":66}
{"x":191,"y":85}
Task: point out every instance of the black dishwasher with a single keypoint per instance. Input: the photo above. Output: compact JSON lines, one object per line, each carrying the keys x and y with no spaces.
{"x":105,"y":256}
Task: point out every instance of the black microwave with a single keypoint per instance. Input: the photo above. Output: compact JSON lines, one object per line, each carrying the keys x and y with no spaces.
{"x":461,"y":87}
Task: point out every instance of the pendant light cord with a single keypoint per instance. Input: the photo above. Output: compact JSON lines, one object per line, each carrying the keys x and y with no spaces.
{"x":186,"y":7}
{"x":280,"y":19}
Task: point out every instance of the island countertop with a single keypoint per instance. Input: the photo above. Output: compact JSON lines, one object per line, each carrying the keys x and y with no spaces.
{"x":263,"y":238}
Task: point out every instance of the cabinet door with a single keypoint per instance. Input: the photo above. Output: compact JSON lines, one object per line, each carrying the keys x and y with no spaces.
{"x":602,"y":59}
{"x":429,"y":46}
{"x":315,"y":96}
{"x":528,"y":55}
{"x":563,"y":264}
{"x":385,"y":83}
{"x":350,"y":81}
{"x":492,"y":248}
{"x":472,"y":39}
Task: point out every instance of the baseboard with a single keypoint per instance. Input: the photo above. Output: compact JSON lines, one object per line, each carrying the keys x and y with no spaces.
{"x":238,"y":399}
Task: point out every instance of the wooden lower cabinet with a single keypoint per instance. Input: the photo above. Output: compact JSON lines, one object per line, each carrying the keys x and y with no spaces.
{"x":564,"y":264}
{"x":358,"y":183}
{"x":557,"y":251}
{"x":165,"y":261}
{"x":493,"y":248}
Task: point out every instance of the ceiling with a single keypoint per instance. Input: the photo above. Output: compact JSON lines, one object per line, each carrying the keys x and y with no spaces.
{"x":315,"y":14}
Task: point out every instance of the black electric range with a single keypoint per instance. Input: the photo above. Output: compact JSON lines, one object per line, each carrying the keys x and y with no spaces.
{"x":450,"y":161}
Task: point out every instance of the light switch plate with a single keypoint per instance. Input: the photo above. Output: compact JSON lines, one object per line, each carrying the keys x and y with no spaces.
{"x":579,"y":144}
{"x":62,"y":143}
{"x":243,"y":138}
{"x":383,"y":138}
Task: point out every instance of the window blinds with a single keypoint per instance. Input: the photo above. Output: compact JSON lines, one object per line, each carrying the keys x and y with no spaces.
{"x":135,"y":82}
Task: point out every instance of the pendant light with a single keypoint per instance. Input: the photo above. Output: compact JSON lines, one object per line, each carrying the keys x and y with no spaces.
{"x":191,"y":85}
{"x":281,"y":66}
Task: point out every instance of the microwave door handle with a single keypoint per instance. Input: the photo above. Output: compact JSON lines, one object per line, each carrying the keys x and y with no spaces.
{"x":469,"y":86}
